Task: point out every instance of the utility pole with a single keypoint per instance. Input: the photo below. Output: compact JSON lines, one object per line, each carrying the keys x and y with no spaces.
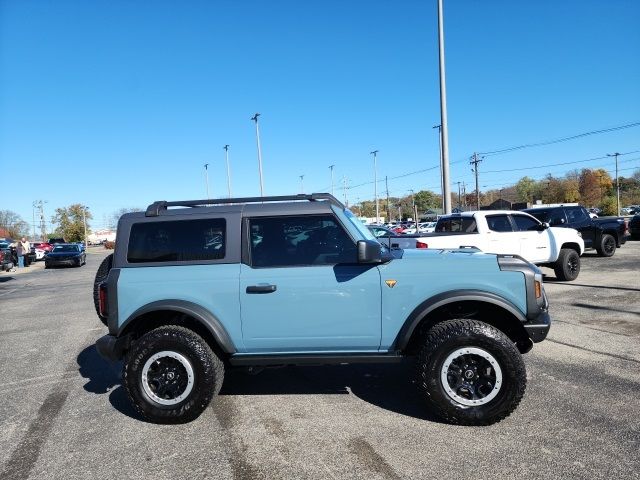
{"x":617,"y":184}
{"x":84,"y":220}
{"x":415,"y":210}
{"x":301,"y":183}
{"x":344,"y":190}
{"x":331,"y":168}
{"x":226,"y":159}
{"x":39,"y":205}
{"x":446,"y":187}
{"x":474,"y":161}
{"x":206,"y":178}
{"x":33,"y":212}
{"x":464,"y":195}
{"x":386,"y":182}
{"x":439,"y":127}
{"x":459,"y":204}
{"x":375,"y":182}
{"x":255,"y":119}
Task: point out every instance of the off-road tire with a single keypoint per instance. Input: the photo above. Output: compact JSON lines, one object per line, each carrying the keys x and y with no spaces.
{"x":567,"y":267}
{"x":607,"y":246}
{"x":445,"y":338}
{"x":101,"y":276}
{"x":207,"y":367}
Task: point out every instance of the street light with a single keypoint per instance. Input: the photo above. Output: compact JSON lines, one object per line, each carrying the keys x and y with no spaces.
{"x":331,"y":168}
{"x":226,"y":158}
{"x":415,"y":210}
{"x":255,"y":119}
{"x":206,"y":178}
{"x":443,"y":115}
{"x":375,"y":183}
{"x":301,"y":183}
{"x":617,"y":184}
{"x":84,"y":220}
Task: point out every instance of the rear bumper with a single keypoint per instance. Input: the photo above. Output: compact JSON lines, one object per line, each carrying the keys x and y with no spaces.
{"x":538,"y":328}
{"x":113,"y":348}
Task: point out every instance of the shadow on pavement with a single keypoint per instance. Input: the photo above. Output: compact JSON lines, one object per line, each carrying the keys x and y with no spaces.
{"x":386,"y":386}
{"x":6,"y":279}
{"x":102,"y":377}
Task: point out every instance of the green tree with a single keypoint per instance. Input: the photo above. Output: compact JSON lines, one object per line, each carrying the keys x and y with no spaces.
{"x":525,"y":189}
{"x":70,"y":222}
{"x":609,"y":206}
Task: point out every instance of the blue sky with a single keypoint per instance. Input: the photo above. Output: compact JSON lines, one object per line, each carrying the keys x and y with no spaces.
{"x":120,"y":103}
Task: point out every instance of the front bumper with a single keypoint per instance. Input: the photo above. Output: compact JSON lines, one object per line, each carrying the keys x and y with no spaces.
{"x":112,"y":347}
{"x":538,"y":328}
{"x":66,"y":261}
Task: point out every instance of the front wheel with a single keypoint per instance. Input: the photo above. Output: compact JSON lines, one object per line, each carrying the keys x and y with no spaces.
{"x":470,"y":373}
{"x":567,"y":267}
{"x":171,"y":374}
{"x":607,"y":246}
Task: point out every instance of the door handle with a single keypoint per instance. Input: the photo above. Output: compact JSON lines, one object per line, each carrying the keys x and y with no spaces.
{"x":261,"y":288}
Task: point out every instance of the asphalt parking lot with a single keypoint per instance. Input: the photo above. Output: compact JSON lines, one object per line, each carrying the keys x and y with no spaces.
{"x":64,"y":415}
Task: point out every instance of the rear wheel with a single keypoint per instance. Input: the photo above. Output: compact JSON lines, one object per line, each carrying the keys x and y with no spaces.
{"x":567,"y":267}
{"x":470,"y":373}
{"x":101,"y":276}
{"x":171,"y":374}
{"x":607,"y":246}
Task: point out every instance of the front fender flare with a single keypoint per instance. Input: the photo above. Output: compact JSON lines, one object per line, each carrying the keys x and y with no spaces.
{"x":201,"y":314}
{"x":454,"y":296}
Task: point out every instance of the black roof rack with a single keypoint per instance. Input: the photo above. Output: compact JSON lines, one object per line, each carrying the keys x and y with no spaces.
{"x":154,"y":209}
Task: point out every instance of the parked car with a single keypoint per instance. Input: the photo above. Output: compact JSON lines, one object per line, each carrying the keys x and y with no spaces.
{"x":6,"y":259}
{"x":603,"y":234}
{"x":56,"y":240}
{"x":393,"y":240}
{"x":47,"y":247}
{"x":634,"y":226}
{"x":178,"y":312}
{"x":39,"y":253}
{"x":512,"y":233}
{"x":65,"y":254}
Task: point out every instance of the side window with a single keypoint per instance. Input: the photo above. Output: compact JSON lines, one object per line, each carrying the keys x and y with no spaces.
{"x":499,"y":223}
{"x":177,"y":241}
{"x":305,"y":240}
{"x":457,"y":224}
{"x":524,"y":223}
{"x":576,"y":215}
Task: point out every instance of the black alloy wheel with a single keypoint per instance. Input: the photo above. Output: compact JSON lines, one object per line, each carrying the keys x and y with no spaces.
{"x":607,"y":246}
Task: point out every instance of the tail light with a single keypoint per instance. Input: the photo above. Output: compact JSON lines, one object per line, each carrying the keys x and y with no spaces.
{"x":102,"y":300}
{"x":420,"y":244}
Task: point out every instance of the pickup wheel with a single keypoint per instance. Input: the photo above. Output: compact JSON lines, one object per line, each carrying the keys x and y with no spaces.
{"x":470,"y":373}
{"x":171,"y":374}
{"x":607,"y":246}
{"x":567,"y":267}
{"x":101,"y":276}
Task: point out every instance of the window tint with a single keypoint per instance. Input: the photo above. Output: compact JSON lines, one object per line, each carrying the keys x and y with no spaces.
{"x":177,"y":241}
{"x":524,"y":223}
{"x":576,"y":215}
{"x":307,"y":240}
{"x":499,"y":223}
{"x":457,"y":224}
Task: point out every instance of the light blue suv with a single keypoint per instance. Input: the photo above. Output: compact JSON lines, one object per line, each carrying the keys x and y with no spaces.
{"x":196,"y":287}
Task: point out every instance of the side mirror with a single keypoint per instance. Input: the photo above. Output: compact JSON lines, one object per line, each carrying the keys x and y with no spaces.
{"x":369,"y":251}
{"x":543,"y":226}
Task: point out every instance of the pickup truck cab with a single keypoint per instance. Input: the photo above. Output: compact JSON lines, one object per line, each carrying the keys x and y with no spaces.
{"x":195,"y":288}
{"x":603,"y":234}
{"x":513,"y":233}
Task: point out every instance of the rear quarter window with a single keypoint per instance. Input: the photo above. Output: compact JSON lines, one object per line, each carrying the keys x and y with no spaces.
{"x":457,"y":224}
{"x":177,"y":241}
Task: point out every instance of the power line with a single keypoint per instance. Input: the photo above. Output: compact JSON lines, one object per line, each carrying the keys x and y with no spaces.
{"x":560,"y":140}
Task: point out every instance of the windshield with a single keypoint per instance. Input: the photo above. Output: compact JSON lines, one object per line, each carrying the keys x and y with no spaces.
{"x":361,"y":227}
{"x":66,"y":248}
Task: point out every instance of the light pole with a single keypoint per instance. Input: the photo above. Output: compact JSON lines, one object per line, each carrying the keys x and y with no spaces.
{"x":331,"y":168}
{"x":446,"y":187}
{"x":84,"y":220}
{"x":206,"y":178}
{"x":301,"y":183}
{"x":226,"y":158}
{"x":375,"y":182}
{"x":415,"y":210}
{"x":439,"y":127}
{"x":33,"y":211}
{"x":617,"y":184}
{"x":255,"y":119}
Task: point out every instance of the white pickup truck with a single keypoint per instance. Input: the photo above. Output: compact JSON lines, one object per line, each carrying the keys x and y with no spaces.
{"x":511,"y":233}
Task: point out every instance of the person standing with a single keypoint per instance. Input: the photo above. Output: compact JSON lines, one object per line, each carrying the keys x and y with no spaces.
{"x":20,"y":254}
{"x":26,"y":249}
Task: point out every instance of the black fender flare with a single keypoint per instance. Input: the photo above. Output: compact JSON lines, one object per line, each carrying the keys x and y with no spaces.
{"x":437,"y":301}
{"x":199,"y":313}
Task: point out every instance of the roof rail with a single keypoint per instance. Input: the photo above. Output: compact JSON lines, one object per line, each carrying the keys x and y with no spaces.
{"x":155,"y":208}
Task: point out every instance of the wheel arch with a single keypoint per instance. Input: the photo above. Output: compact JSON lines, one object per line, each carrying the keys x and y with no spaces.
{"x":182,"y":313}
{"x":572,"y":246}
{"x":476,"y":304}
